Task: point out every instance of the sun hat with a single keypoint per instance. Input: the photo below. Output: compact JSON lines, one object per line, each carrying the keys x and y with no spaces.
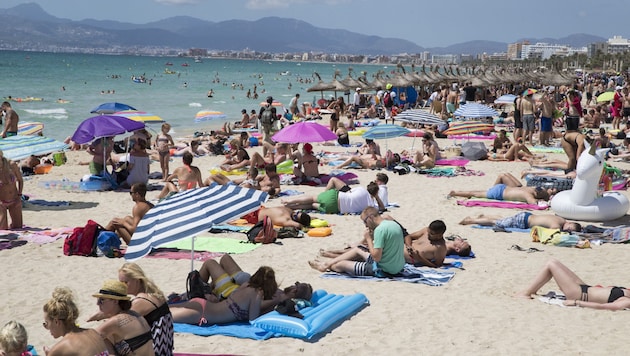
{"x":388,"y":86}
{"x":358,"y":89}
{"x":113,"y":289}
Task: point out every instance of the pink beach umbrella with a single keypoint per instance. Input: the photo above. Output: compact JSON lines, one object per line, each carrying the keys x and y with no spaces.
{"x":306,"y":131}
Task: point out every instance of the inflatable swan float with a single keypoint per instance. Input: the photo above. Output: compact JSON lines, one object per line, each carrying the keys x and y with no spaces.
{"x":582,"y":201}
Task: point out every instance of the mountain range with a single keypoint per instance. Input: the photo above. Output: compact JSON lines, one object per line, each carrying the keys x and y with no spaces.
{"x":28,"y":26}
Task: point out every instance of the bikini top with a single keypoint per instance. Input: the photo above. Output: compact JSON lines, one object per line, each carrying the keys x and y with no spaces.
{"x":157,"y":313}
{"x":128,"y":346}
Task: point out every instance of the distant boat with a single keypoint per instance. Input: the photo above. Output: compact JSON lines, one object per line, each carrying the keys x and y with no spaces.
{"x":168,"y":63}
{"x":286,"y":72}
{"x":185,"y":64}
{"x":168,"y":71}
{"x":198,"y":60}
{"x":140,"y":79}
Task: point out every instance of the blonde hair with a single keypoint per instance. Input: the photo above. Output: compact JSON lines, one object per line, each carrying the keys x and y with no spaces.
{"x":134,"y":271}
{"x":13,"y":338}
{"x":62,"y":307}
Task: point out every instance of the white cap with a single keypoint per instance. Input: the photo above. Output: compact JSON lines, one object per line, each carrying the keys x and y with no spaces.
{"x":618,"y":87}
{"x":358,"y":89}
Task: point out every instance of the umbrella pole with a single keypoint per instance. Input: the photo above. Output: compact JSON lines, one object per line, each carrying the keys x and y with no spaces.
{"x":192,"y":255}
{"x":413,"y":143}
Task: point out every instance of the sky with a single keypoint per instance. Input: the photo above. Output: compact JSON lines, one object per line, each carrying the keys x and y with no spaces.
{"x":425,"y":23}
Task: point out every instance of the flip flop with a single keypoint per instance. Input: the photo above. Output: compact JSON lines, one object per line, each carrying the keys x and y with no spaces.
{"x":516,"y":247}
{"x":534,"y":249}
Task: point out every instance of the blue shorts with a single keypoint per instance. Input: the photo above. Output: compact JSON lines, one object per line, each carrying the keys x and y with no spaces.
{"x":518,"y":221}
{"x":546,"y":124}
{"x":496,"y":192}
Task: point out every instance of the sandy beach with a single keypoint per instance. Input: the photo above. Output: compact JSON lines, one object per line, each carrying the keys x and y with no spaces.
{"x":474,"y":313}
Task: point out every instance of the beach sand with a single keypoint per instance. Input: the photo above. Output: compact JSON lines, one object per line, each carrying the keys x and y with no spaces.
{"x":474,"y":313}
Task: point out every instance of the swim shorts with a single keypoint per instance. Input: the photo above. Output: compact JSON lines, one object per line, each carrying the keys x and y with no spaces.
{"x":546,"y":124}
{"x":11,"y":133}
{"x":328,"y":201}
{"x":529,"y":122}
{"x":518,"y":221}
{"x":496,"y":192}
{"x":224,"y":286}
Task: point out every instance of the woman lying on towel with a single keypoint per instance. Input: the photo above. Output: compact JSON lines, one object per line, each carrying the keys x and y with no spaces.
{"x":576,"y":291}
{"x":243,"y":304}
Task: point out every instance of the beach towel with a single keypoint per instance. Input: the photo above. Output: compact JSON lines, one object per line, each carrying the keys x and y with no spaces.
{"x":472,"y":137}
{"x":9,"y":244}
{"x":452,"y":162}
{"x":47,"y":202}
{"x":290,"y":192}
{"x":513,"y":229}
{"x":214,"y":244}
{"x":502,"y":204}
{"x":553,"y":298}
{"x":410,"y":274}
{"x":546,"y":149}
{"x":37,"y":235}
{"x":238,"y":329}
{"x":177,"y":254}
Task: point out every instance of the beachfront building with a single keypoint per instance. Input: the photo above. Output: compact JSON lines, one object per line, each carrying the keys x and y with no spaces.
{"x":614,"y":45}
{"x":444,"y":59}
{"x":546,"y":50}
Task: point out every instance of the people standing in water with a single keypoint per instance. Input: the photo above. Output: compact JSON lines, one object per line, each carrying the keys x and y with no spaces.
{"x":11,"y":119}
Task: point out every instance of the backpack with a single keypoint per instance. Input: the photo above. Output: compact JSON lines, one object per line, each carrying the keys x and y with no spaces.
{"x":387,"y":100}
{"x":82,"y":241}
{"x":195,"y":286}
{"x":267,"y":117}
{"x":262,"y":232}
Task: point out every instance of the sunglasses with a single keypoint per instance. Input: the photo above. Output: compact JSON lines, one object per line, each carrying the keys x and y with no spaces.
{"x":100,"y":301}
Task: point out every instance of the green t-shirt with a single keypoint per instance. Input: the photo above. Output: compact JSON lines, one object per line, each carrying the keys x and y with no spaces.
{"x":389,"y":236}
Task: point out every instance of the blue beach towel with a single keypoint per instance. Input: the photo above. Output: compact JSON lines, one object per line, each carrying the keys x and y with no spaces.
{"x":410,"y":274}
{"x":241,"y":329}
{"x":515,"y":229}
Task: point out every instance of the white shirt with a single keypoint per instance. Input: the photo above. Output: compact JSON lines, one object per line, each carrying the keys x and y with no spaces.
{"x":356,"y":100}
{"x":382,"y":193}
{"x":355,"y":200}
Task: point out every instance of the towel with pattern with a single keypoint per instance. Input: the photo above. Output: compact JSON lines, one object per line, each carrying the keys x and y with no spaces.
{"x":410,"y":274}
{"x":502,"y":204}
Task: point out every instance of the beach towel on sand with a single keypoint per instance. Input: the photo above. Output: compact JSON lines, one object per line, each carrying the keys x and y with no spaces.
{"x":410,"y":274}
{"x":237,"y":329}
{"x":502,"y":204}
{"x":214,"y":244}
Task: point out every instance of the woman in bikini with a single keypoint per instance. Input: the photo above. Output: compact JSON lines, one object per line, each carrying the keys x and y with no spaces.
{"x":187,"y":176}
{"x":127,"y":330}
{"x":60,"y":319}
{"x":242,"y":304}
{"x":576,"y":291}
{"x":516,"y":152}
{"x":430,"y":152}
{"x":163,"y":144}
{"x":11,"y":185}
{"x":237,"y":157}
{"x":573,"y":146}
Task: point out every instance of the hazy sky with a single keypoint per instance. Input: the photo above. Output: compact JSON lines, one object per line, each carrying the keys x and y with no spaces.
{"x":426,"y":23}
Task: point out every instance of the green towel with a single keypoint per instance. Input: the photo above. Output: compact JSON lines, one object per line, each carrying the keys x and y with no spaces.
{"x":214,"y":244}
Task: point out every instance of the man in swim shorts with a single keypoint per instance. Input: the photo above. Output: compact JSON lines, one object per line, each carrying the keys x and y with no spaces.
{"x":11,"y":120}
{"x":125,"y":227}
{"x":286,"y":217}
{"x":508,"y":187}
{"x":523,"y":220}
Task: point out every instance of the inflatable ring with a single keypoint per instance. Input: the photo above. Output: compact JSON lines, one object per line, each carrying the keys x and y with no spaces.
{"x":285,"y":167}
{"x":319,"y":223}
{"x":319,"y":232}
{"x":356,"y":132}
{"x":234,"y":172}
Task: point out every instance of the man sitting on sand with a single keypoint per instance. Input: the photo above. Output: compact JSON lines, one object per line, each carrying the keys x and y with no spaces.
{"x":125,"y":227}
{"x":338,"y":198}
{"x":274,"y":156}
{"x":384,"y":255}
{"x":523,"y":220}
{"x":508,"y":187}
{"x":188,"y":177}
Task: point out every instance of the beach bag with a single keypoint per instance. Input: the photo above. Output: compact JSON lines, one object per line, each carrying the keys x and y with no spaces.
{"x":195,"y":286}
{"x":262,"y":232}
{"x":387,"y":100}
{"x":267,"y":117}
{"x":82,"y":241}
{"x":108,"y":244}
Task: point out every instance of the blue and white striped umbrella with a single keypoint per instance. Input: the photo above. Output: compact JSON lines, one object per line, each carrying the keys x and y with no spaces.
{"x":418,"y":117}
{"x":190,"y":212}
{"x":18,"y":147}
{"x":475,"y":111}
{"x":379,"y":132}
{"x":505,"y":99}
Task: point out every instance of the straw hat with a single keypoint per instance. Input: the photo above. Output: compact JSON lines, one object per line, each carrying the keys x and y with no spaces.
{"x":113,"y":289}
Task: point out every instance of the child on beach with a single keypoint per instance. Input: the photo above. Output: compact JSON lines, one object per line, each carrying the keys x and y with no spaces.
{"x":163,"y":144}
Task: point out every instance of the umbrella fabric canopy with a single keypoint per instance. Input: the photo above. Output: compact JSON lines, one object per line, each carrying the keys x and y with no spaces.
{"x":466,"y":127}
{"x":110,"y":108}
{"x":418,"y":117}
{"x":529,"y":91}
{"x":606,"y":96}
{"x":385,"y":131}
{"x":22,"y":146}
{"x":208,"y":115}
{"x":30,"y":128}
{"x":141,"y":116}
{"x":190,"y":212}
{"x":104,"y":126}
{"x":475,"y":111}
{"x":505,"y":99}
{"x":305,"y":131}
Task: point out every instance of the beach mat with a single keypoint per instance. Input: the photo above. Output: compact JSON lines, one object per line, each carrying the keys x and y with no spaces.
{"x":546,"y":149}
{"x":38,"y":235}
{"x":501,"y":204}
{"x":513,"y":229}
{"x":177,"y":254}
{"x":452,"y":162}
{"x":241,"y":330}
{"x":214,"y":244}
{"x":410,"y":274}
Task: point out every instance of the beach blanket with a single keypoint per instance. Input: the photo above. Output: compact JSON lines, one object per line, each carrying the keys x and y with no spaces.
{"x":241,"y":329}
{"x":546,"y":149}
{"x":512,"y":229}
{"x":290,"y":192}
{"x":553,"y":298}
{"x":502,"y":204}
{"x":214,"y":244}
{"x":410,"y":274}
{"x":37,"y":235}
{"x":9,"y":244}
{"x":472,"y":137}
{"x":48,"y":202}
{"x":452,"y":162}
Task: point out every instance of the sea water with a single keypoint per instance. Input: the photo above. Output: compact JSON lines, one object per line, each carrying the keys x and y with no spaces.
{"x":86,"y":81}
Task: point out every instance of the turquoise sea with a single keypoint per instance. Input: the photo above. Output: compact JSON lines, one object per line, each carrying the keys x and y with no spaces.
{"x":84,"y":81}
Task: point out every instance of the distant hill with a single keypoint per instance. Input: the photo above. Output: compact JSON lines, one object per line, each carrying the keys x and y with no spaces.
{"x":28,"y":26}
